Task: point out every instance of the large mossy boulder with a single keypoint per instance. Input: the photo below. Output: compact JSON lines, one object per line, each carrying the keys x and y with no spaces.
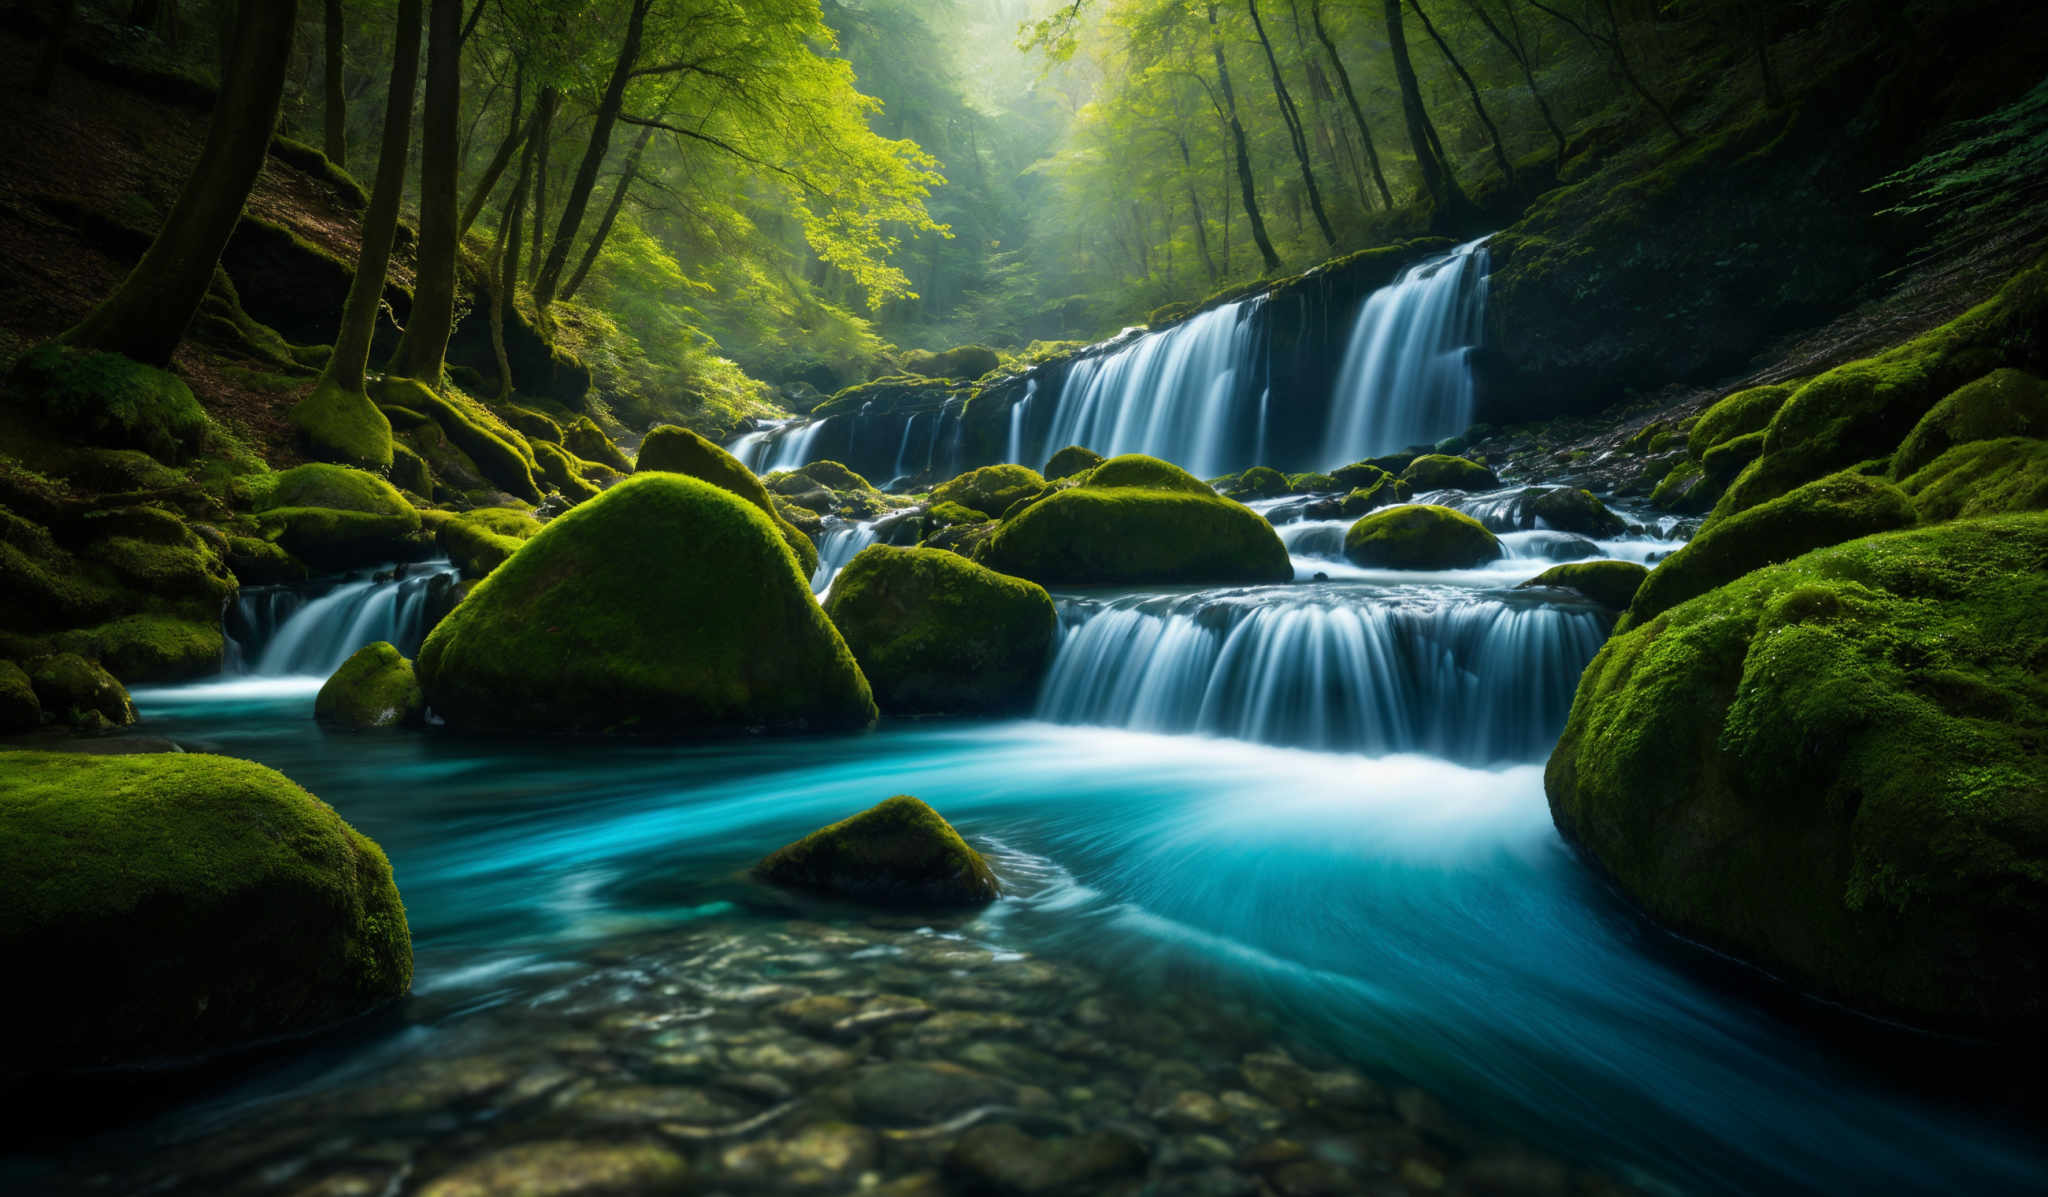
{"x":77,"y":691}
{"x":1834,"y":768}
{"x":1612,"y":584}
{"x":333,"y":517}
{"x":1072,"y":460}
{"x":1422,"y":536}
{"x":2004,"y":403}
{"x":1982,"y":478}
{"x":343,"y":426}
{"x":1441,"y":471}
{"x":479,"y":541}
{"x":673,"y":450}
{"x":1138,"y":520}
{"x":108,"y":400}
{"x":375,"y":688}
{"x":899,"y":853}
{"x":1738,"y":414}
{"x":664,"y":607}
{"x":1570,"y":509}
{"x":994,"y":489}
{"x":1837,"y":508}
{"x":937,"y":634}
{"x":176,"y":904}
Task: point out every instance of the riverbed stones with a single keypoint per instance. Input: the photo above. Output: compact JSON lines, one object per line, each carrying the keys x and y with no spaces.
{"x":899,"y":852}
{"x":563,"y":1168}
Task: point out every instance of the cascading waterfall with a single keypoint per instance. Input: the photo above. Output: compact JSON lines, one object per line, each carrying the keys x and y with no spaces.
{"x":842,"y":542}
{"x":1405,"y":379}
{"x":1467,"y":677}
{"x":282,"y":631}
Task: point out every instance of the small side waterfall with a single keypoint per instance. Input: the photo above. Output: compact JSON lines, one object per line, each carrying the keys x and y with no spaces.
{"x":1405,"y":379}
{"x":841,"y":543}
{"x":1467,"y":677}
{"x":282,"y":631}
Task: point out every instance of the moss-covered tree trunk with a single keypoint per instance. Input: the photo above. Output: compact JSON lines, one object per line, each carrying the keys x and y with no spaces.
{"x":1372,"y":153}
{"x":147,"y":314}
{"x":422,"y":351}
{"x":1241,"y":149}
{"x":334,"y":105}
{"x":380,"y":224}
{"x":1291,"y":116}
{"x":585,"y":180}
{"x":1436,"y":178}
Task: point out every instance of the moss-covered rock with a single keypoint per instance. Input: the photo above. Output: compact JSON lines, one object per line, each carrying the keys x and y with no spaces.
{"x":180,"y":903}
{"x":1612,"y":584}
{"x":1686,"y":490}
{"x":586,"y":440}
{"x":374,"y":688}
{"x":937,"y":634}
{"x":674,"y":450}
{"x":1258,"y":482}
{"x":410,"y":472}
{"x":334,"y":517}
{"x":342,"y":426}
{"x":535,"y":426}
{"x":833,"y":476}
{"x":1724,"y":462}
{"x":1982,"y":478}
{"x":155,"y":552}
{"x":945,"y":515}
{"x":150,"y":647}
{"x":664,"y":607}
{"x":258,"y":562}
{"x":500,"y":453}
{"x":1738,"y":414}
{"x":1837,"y":508}
{"x":962,"y":364}
{"x":1137,"y":519}
{"x":899,"y":853}
{"x":1310,"y":483}
{"x":480,"y":541}
{"x":1423,"y":536}
{"x":73,"y":689}
{"x":1569,"y":509}
{"x":108,"y":400}
{"x":562,"y":473}
{"x":1441,"y":471}
{"x":20,"y":709}
{"x":994,"y":489}
{"x":1072,"y":460}
{"x":2001,"y":404}
{"x":1833,"y":767}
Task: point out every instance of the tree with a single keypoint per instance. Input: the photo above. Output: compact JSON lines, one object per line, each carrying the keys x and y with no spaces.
{"x":585,"y":179}
{"x":147,"y":314}
{"x":423,"y":349}
{"x":1372,"y":154}
{"x":1611,"y":42}
{"x":334,"y":104}
{"x":1436,"y":175}
{"x":1500,"y":153}
{"x":1247,"y":190}
{"x":1517,"y":51}
{"x":1292,"y":117}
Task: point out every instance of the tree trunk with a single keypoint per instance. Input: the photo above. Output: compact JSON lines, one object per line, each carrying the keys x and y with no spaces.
{"x":593,"y":157}
{"x":1436,"y":178}
{"x":1187,"y":162}
{"x":1292,"y":117}
{"x":146,"y":316}
{"x":1242,"y":149}
{"x":334,"y":104}
{"x":1372,"y":154}
{"x":423,"y":349}
{"x":518,"y":130}
{"x":543,"y":130}
{"x":1612,"y":44}
{"x":611,"y":215}
{"x":1521,"y":57}
{"x":1500,"y":151}
{"x":506,"y":292}
{"x":366,"y":294}
{"x":53,"y":49}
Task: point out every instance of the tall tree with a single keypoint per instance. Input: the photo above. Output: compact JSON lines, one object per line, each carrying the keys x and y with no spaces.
{"x":1517,"y":51}
{"x":627,"y":175}
{"x":1612,"y":43}
{"x":1372,"y":154}
{"x":334,"y":103}
{"x":1500,"y":152}
{"x":1436,"y":176}
{"x":518,"y":130}
{"x":585,"y":179}
{"x":1247,"y":190}
{"x":147,"y":314}
{"x":1292,"y":118}
{"x":506,"y":291}
{"x":423,"y":350}
{"x":543,"y":141}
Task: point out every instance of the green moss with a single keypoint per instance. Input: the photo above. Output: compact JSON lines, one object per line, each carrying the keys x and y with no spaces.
{"x":313,"y":162}
{"x":1441,"y":471}
{"x":20,"y":709}
{"x":1070,"y":461}
{"x":665,"y":606}
{"x":1837,"y":508}
{"x":561,"y":473}
{"x":1364,"y":475}
{"x":332,"y":486}
{"x":179,"y":903}
{"x":1735,"y":415}
{"x":152,"y":551}
{"x":897,"y":853}
{"x":1726,"y":460}
{"x":1833,"y":767}
{"x":1258,"y":482}
{"x":107,"y":400}
{"x":1569,"y":509}
{"x":500,"y":453}
{"x":963,"y":364}
{"x":257,"y":562}
{"x":342,"y":426}
{"x":2001,"y":404}
{"x":334,"y":518}
{"x":1686,"y":490}
{"x":937,"y":634}
{"x":1137,"y":519}
{"x":833,"y":476}
{"x":533,"y":425}
{"x":403,"y":419}
{"x":480,"y":541}
{"x":673,"y":450}
{"x":1423,"y":536}
{"x":1610,"y":583}
{"x":945,"y":515}
{"x":1303,"y":484}
{"x":409,"y":471}
{"x":150,"y":647}
{"x":993,"y":489}
{"x":586,"y":440}
{"x":374,"y":688}
{"x":72,"y":688}
{"x":1982,"y":478}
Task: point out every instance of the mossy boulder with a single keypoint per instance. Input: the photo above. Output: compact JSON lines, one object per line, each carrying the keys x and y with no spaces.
{"x":945,"y":515}
{"x":1837,"y":508}
{"x":1569,"y":509}
{"x":1365,"y":473}
{"x":178,"y":903}
{"x":666,"y":606}
{"x":73,"y":689}
{"x":1612,"y":584}
{"x":833,"y":476}
{"x":993,"y":489}
{"x":673,"y":450}
{"x":108,"y":400}
{"x":962,"y":364}
{"x":1070,"y":461}
{"x":1982,"y":478}
{"x":374,"y":688}
{"x":586,"y":440}
{"x":1686,"y":490}
{"x":499,"y":452}
{"x":342,"y":426}
{"x":937,"y":634}
{"x":1724,"y":462}
{"x":479,"y":541}
{"x":562,"y":472}
{"x":1441,"y":471}
{"x":1310,"y":483}
{"x":333,"y":517}
{"x":1138,"y":520}
{"x":1259,"y":482}
{"x":258,"y":562}
{"x":20,"y":709}
{"x":534,"y":426}
{"x":899,"y":853}
{"x":1423,"y":536}
{"x":1833,"y":767}
{"x":153,"y":552}
{"x":2001,"y":404}
{"x":150,"y":646}
{"x":410,"y":472}
{"x":1738,"y":414}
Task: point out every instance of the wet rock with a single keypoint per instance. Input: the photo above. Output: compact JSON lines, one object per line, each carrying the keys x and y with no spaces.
{"x":653,"y":1103}
{"x":898,"y":852}
{"x":918,"y":1093}
{"x":1192,"y":1110}
{"x":817,"y":1013}
{"x":562,"y":1169}
{"x":1277,"y":1078}
{"x":791,"y":1057}
{"x":1002,"y":1159}
{"x":1313,"y":1178}
{"x":826,"y":1155}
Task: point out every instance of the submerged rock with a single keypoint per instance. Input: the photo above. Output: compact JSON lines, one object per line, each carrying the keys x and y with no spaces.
{"x":561,"y":1168}
{"x":664,"y":607}
{"x":898,"y":853}
{"x":937,"y":634}
{"x":1000,"y":1158}
{"x":1423,"y":536}
{"x":1610,"y":583}
{"x":1833,"y":768}
{"x":1138,"y":520}
{"x":178,"y":903}
{"x":669,"y":449}
{"x":374,"y":688}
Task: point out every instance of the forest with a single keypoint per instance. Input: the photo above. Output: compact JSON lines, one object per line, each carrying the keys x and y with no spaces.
{"x":1243,"y":598}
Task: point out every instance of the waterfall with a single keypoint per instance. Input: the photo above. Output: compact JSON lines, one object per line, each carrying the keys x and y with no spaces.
{"x":1461,"y":675}
{"x":843,"y":541}
{"x":287,"y":631}
{"x":1405,"y":379}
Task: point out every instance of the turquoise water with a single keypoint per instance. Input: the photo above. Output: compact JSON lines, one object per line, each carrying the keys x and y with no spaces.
{"x":1414,"y":918}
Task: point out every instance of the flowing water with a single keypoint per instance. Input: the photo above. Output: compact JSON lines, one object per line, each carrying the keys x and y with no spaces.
{"x":279,"y":631}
